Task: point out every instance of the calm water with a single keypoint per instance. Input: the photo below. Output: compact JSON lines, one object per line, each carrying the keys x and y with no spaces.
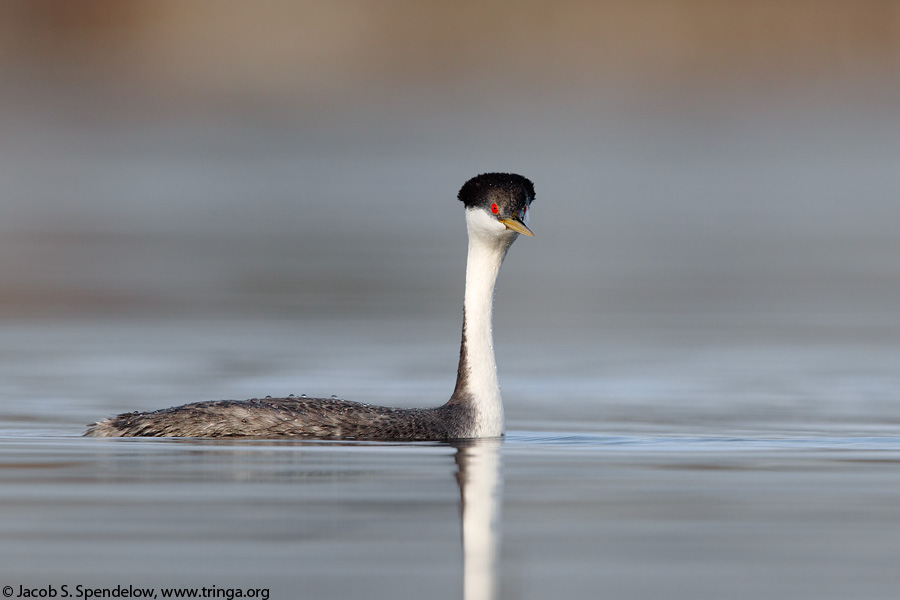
{"x":699,"y":353}
{"x":697,"y":469}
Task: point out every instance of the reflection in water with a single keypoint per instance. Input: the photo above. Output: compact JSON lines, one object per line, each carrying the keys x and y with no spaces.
{"x":480,"y":489}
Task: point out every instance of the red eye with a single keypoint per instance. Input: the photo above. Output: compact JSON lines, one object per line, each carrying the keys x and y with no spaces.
{"x":495,"y":209}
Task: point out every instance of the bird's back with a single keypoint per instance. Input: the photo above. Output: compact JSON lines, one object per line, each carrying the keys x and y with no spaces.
{"x":296,"y":417}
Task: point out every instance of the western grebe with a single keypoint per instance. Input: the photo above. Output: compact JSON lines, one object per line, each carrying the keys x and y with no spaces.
{"x":496,"y":213}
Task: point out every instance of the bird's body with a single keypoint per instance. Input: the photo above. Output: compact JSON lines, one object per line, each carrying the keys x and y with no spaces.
{"x":311,"y":418}
{"x":496,"y":212}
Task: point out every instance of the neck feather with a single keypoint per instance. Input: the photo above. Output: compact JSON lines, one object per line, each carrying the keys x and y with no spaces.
{"x":476,"y":383}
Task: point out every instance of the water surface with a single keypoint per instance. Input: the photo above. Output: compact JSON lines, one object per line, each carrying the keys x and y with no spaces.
{"x":679,"y":482}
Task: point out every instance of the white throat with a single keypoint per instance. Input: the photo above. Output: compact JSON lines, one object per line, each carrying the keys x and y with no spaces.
{"x":478,"y":385}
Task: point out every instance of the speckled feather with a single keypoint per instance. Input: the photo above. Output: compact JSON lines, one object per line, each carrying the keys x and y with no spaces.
{"x":318,"y":418}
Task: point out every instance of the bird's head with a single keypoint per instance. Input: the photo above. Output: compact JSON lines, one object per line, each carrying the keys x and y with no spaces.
{"x":501,"y":200}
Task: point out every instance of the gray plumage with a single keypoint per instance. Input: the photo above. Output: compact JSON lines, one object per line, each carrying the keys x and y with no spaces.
{"x":316,"y":418}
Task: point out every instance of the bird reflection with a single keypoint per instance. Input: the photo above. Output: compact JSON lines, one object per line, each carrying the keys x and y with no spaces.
{"x":480,"y":490}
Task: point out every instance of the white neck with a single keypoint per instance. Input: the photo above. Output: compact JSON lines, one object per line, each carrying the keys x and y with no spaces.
{"x":477,"y":382}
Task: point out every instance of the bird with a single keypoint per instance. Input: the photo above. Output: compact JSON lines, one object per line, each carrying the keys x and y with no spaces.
{"x":497,"y":211}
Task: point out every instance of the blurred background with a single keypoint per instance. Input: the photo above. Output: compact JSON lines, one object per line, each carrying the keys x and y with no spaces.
{"x":225,"y":199}
{"x":699,"y":165}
